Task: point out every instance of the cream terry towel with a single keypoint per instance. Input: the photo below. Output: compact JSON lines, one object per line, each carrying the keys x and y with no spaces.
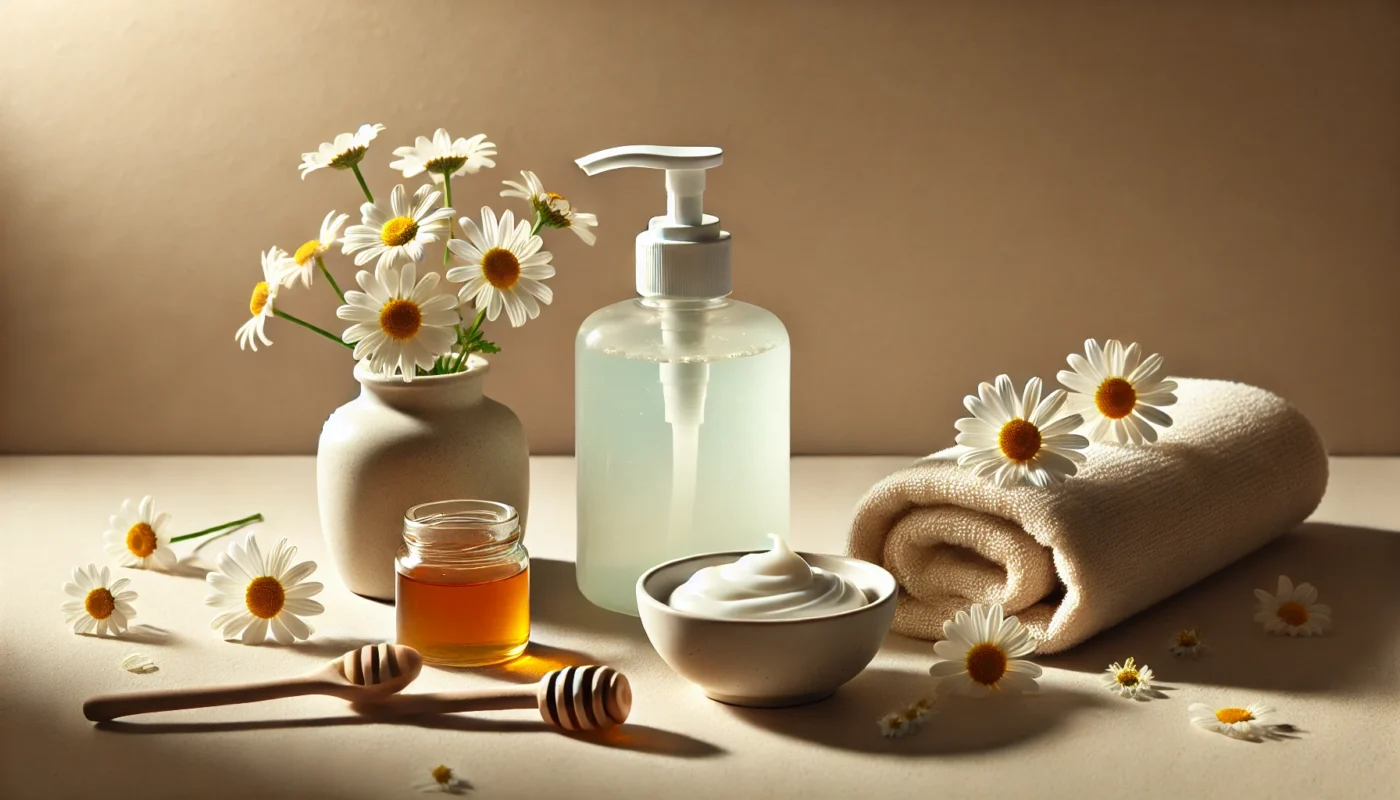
{"x":1239,"y":468}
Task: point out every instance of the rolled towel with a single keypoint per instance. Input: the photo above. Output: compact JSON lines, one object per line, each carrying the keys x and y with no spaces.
{"x":1138,"y":523}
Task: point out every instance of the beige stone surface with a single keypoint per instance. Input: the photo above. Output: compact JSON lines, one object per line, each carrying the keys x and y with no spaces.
{"x":927,"y":193}
{"x":1072,"y":740}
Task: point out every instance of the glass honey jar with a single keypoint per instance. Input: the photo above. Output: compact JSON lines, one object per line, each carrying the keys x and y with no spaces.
{"x":463,"y":584}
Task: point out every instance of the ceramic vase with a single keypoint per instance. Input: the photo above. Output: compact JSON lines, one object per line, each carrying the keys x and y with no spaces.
{"x":400,"y":444}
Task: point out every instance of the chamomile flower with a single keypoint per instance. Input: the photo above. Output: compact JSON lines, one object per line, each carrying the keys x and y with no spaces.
{"x":893,"y":725}
{"x":553,"y":210}
{"x":346,"y":151}
{"x":303,"y":261}
{"x":1019,"y":440}
{"x":1187,"y":642}
{"x":137,"y":536}
{"x":1118,"y":393}
{"x":1251,"y":722}
{"x":399,"y":322}
{"x":1293,"y":610}
{"x":505,"y":267}
{"x":983,"y":650}
{"x":402,"y":233}
{"x":441,"y":156}
{"x":99,"y":603}
{"x":262,"y":305}
{"x":259,"y":594}
{"x":442,"y":779}
{"x":1129,"y":679}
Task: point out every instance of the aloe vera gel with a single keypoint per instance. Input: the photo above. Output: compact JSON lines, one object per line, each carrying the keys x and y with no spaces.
{"x":682,"y":406}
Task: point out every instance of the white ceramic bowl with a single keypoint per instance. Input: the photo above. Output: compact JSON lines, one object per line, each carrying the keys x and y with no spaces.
{"x":767,"y":663}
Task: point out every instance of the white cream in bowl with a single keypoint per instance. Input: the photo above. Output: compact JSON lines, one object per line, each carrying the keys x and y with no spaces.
{"x":777,"y":584}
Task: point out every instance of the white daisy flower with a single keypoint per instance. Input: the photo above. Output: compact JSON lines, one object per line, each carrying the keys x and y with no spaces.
{"x":401,"y":234}
{"x":303,"y":261}
{"x":1118,"y":392}
{"x":260,"y":593}
{"x":99,"y":603}
{"x":1252,"y":722}
{"x":399,"y":323}
{"x":347,"y":151}
{"x":138,"y":537}
{"x":505,"y":267}
{"x":1294,"y":610}
{"x":441,"y":156}
{"x":139,"y":663}
{"x":983,"y":650}
{"x":1129,"y":679}
{"x":1019,"y":440}
{"x":894,"y":725}
{"x":274,"y":263}
{"x":1187,"y":642}
{"x":442,"y":779}
{"x":553,"y":210}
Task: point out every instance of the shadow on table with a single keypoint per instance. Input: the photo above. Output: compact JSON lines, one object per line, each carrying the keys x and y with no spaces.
{"x":636,"y":738}
{"x":848,"y":720}
{"x":1354,"y":570}
{"x":556,"y":600}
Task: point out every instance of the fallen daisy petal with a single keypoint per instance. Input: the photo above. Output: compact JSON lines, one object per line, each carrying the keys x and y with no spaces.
{"x":1251,"y":722}
{"x":442,"y":779}
{"x":139,"y":663}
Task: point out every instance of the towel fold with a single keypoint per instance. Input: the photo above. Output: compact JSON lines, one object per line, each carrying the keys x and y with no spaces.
{"x":1139,"y":523}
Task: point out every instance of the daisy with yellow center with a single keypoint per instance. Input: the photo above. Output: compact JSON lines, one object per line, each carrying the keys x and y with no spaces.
{"x":902,"y":723}
{"x":442,"y":779}
{"x":505,"y":267}
{"x":443,"y":158}
{"x":345,"y":152}
{"x":1187,"y":642}
{"x":1129,"y":679}
{"x":98,"y":603}
{"x":1019,"y":440}
{"x":402,"y":233}
{"x":307,"y":258}
{"x":551,"y":210}
{"x":137,"y":536}
{"x":982,"y":648}
{"x":263,"y":304}
{"x":259,"y":594}
{"x":1294,"y":610}
{"x":400,"y":323}
{"x":1252,"y":722}
{"x":1118,"y":393}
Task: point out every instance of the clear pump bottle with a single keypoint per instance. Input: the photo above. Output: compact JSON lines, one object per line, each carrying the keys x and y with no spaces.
{"x":682,"y":406}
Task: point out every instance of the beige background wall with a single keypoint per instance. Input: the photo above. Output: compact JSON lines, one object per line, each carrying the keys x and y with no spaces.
{"x":927,"y":193}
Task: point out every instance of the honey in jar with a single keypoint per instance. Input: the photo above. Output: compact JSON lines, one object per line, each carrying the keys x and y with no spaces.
{"x":463,"y":591}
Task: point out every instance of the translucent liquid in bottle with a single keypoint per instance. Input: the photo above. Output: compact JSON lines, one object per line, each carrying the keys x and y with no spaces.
{"x":464,"y":624}
{"x":636,"y":473}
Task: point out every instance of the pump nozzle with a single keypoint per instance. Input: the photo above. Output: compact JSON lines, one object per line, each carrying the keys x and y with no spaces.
{"x":685,"y":173}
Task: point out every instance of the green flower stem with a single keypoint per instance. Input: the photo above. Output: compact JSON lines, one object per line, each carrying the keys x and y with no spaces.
{"x":236,"y":523}
{"x":539,"y":223}
{"x":476,"y":326}
{"x":333,"y":285}
{"x":361,"y":179}
{"x":303,"y":323}
{"x":327,"y":273}
{"x":447,"y":203}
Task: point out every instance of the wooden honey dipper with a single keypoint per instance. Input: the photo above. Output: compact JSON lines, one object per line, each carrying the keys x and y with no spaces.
{"x":573,"y":698}
{"x":366,"y":674}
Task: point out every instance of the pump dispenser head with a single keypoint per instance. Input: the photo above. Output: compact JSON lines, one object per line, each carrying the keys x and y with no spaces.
{"x":683,"y":254}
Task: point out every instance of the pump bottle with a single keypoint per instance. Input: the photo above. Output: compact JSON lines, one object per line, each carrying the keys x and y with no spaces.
{"x":682,"y":404}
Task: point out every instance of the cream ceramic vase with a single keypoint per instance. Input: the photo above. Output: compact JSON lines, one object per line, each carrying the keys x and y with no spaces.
{"x":400,"y":444}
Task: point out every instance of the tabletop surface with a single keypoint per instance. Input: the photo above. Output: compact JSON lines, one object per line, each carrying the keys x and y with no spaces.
{"x":1340,"y":692}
